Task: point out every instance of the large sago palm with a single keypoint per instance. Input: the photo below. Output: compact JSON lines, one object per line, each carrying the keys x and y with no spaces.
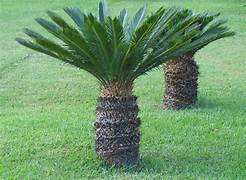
{"x":116,"y":51}
{"x":181,"y":73}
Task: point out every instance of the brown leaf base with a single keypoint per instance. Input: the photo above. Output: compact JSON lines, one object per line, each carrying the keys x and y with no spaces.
{"x":117,"y":130}
{"x":181,"y":84}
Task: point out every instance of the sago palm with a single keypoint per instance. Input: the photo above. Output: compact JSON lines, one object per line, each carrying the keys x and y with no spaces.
{"x":181,"y":73}
{"x":116,"y":51}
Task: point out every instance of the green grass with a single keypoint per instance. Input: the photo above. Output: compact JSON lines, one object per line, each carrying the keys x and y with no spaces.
{"x":47,"y":109}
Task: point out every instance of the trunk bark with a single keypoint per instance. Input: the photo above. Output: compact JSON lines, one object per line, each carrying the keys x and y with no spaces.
{"x":181,"y":84}
{"x":117,"y":126}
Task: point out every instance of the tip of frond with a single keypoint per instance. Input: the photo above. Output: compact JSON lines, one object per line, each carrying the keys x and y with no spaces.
{"x":68,"y":9}
{"x":38,"y":19}
{"x":230,"y":33}
{"x":217,"y":14}
{"x":27,"y":31}
{"x":19,"y":40}
{"x":51,"y":13}
{"x":145,"y":5}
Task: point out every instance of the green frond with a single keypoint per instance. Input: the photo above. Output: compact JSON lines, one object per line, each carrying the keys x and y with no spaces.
{"x":58,"y":19}
{"x":123,"y":17}
{"x":103,"y":11}
{"x":36,"y":47}
{"x":136,"y":21}
{"x":116,"y":49}
{"x":212,"y":28}
{"x":70,"y":36}
{"x":48,"y":44}
{"x":76,"y":15}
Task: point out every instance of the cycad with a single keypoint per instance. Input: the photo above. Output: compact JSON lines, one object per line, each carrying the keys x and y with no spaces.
{"x":116,"y":51}
{"x":181,"y":73}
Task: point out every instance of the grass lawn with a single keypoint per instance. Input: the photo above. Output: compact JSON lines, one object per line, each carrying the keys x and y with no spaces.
{"x":47,"y":109}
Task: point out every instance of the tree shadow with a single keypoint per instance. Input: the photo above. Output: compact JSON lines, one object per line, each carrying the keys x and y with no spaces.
{"x":205,"y":103}
{"x":201,"y":166}
{"x":212,"y":104}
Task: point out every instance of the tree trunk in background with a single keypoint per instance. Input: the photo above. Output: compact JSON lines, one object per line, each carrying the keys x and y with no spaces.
{"x":181,"y":76}
{"x":117,"y":126}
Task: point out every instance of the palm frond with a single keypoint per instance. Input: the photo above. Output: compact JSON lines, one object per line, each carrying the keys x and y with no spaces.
{"x":76,"y":15}
{"x":123,"y":17}
{"x":116,"y":49}
{"x":70,"y":36}
{"x":103,"y":11}
{"x":212,"y":29}
{"x":136,"y":21}
{"x":36,"y":47}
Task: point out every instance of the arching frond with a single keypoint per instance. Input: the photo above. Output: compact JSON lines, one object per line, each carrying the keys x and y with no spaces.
{"x":116,"y":49}
{"x":77,"y":16}
{"x":103,"y":11}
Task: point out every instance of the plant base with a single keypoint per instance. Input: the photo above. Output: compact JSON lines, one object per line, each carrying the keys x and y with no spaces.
{"x":181,"y":84}
{"x":117,"y":130}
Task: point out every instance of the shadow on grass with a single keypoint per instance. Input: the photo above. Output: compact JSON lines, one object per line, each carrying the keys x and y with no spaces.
{"x":169,"y":167}
{"x":210,"y":104}
{"x":205,"y":103}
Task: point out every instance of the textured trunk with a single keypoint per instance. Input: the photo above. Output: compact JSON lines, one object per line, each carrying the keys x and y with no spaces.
{"x":117,"y":126}
{"x":181,"y":84}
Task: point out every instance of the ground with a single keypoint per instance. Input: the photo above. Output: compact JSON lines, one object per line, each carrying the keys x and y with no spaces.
{"x":47,"y":109}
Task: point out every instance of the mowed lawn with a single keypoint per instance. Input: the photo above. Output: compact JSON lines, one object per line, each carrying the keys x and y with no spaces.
{"x":47,"y":109}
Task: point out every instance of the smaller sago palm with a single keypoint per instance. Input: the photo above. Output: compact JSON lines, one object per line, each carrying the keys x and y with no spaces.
{"x":181,"y":73}
{"x":116,"y":51}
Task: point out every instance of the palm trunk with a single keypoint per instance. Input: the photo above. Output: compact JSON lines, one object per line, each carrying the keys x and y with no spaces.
{"x":117,"y":126}
{"x":181,"y":84}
